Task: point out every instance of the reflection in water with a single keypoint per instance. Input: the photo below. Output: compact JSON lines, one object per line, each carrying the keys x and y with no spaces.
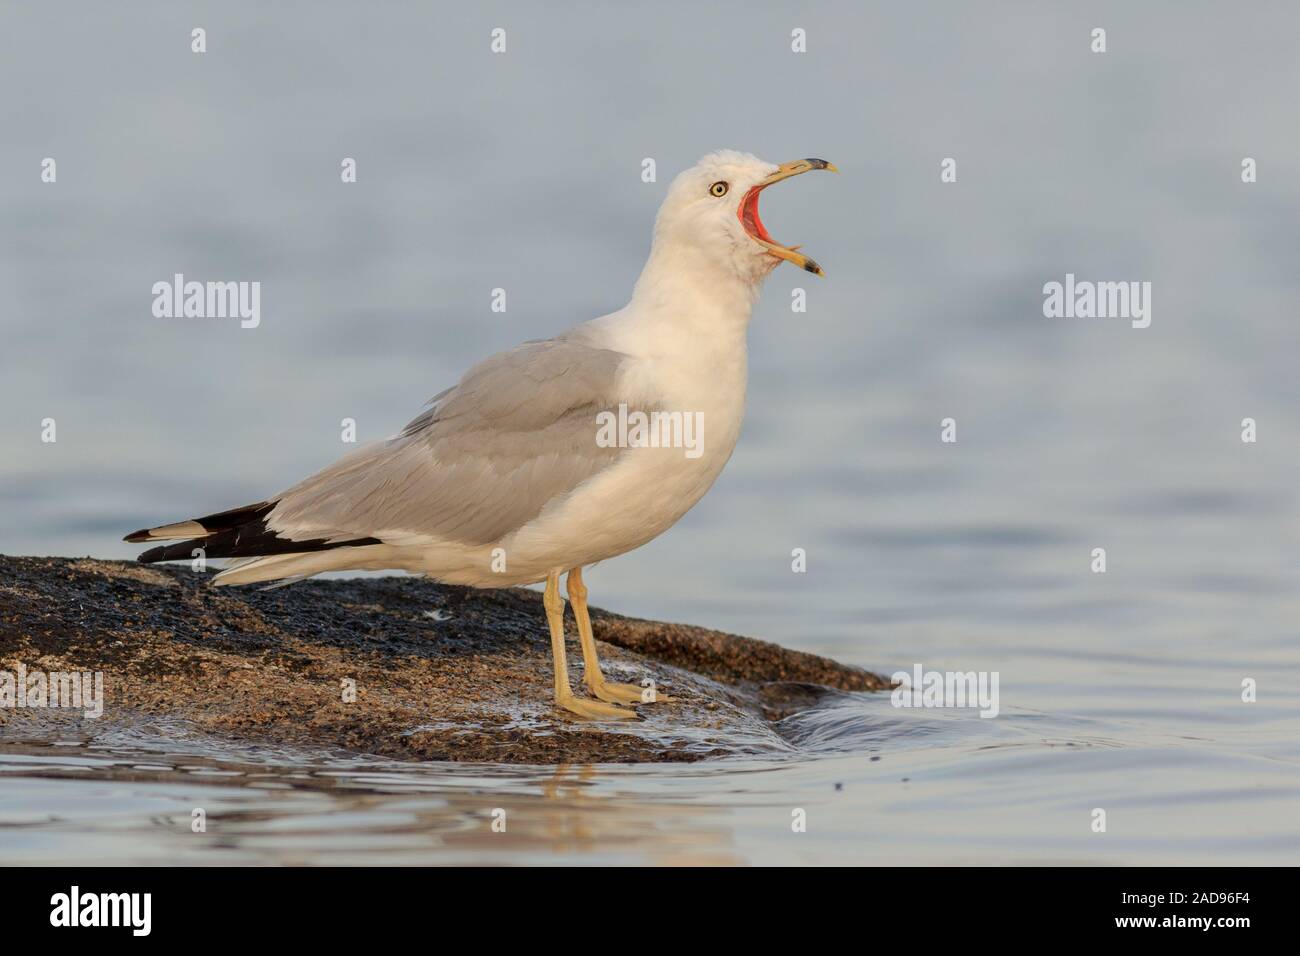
{"x":877,"y":785}
{"x":135,"y":807}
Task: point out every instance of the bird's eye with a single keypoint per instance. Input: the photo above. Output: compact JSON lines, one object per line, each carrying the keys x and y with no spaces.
{"x":719,"y":189}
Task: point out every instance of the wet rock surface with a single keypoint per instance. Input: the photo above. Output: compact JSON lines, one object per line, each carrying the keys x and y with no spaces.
{"x":440,"y":672}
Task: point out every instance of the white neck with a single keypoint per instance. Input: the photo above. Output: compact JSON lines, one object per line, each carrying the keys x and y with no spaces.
{"x":679,"y":289}
{"x":684,"y":309}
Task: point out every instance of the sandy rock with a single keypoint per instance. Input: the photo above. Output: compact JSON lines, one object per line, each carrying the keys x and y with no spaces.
{"x":441,"y":672}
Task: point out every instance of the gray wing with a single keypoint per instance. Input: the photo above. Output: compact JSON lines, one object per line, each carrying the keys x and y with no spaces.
{"x":485,"y":458}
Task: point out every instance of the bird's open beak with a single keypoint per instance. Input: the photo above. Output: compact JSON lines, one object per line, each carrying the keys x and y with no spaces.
{"x":748,"y":213}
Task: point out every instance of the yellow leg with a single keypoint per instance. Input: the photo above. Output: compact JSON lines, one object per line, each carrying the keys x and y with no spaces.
{"x":591,"y":675}
{"x":563,"y":694}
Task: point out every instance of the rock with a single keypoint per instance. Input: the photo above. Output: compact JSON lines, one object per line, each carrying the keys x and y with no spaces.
{"x":441,"y":672}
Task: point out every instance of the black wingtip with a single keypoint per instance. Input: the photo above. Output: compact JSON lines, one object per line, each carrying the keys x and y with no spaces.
{"x":238,"y":533}
{"x":150,"y":556}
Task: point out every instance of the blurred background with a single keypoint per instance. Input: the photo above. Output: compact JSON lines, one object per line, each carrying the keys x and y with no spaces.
{"x":522,"y":171}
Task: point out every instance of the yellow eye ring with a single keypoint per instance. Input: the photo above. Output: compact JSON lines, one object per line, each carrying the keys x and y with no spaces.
{"x":719,"y":189}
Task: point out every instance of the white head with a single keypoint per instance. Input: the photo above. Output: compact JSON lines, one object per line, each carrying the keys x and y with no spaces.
{"x":711,"y":211}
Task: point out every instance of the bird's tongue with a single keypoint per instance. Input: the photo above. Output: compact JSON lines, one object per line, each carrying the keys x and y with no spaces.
{"x":749,"y":216}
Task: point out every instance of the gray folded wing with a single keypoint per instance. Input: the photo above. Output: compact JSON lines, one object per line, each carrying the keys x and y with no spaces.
{"x":518,"y":431}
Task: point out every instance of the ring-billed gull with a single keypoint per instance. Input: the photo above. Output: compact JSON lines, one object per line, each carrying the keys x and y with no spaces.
{"x":553,"y":455}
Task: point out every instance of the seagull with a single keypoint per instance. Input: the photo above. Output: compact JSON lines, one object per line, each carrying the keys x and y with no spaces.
{"x":551,"y":456}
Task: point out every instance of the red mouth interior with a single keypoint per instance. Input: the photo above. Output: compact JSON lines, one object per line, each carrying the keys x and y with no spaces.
{"x":748,"y":213}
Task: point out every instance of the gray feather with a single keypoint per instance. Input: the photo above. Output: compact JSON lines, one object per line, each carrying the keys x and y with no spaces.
{"x":486,"y":457}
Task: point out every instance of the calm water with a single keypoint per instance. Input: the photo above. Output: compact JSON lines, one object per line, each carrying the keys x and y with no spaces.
{"x":1119,"y":690}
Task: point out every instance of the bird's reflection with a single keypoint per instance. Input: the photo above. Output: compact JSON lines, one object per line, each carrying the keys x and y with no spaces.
{"x":575,"y":816}
{"x":346,"y":813}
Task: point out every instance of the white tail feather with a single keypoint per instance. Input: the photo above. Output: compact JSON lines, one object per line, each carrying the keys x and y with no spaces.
{"x":181,"y":529}
{"x":277,"y":567}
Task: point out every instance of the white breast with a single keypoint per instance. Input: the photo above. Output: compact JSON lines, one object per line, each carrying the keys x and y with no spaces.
{"x":650,"y":489}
